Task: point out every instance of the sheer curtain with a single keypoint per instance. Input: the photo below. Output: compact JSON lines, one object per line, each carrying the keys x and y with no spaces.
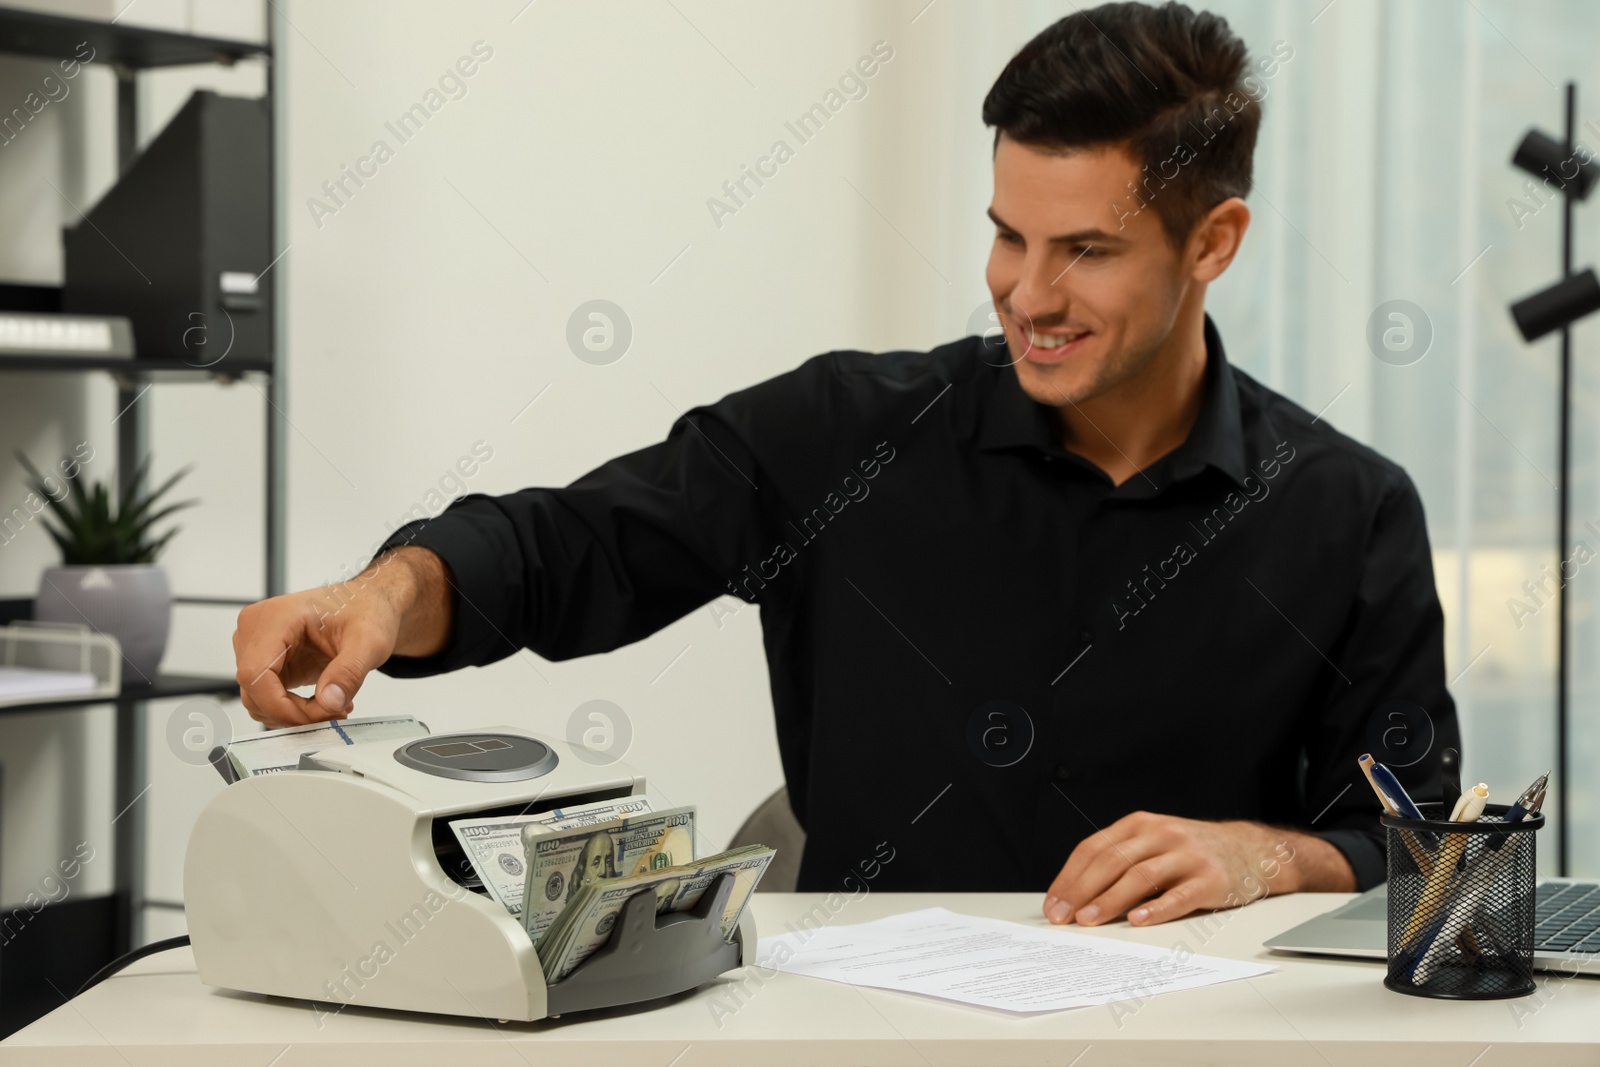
{"x":1383,"y":174}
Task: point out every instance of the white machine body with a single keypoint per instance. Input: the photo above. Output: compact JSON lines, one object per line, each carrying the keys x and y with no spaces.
{"x":324,"y":884}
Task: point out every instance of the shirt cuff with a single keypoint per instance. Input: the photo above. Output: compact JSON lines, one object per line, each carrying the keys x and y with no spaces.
{"x":1367,"y":857}
{"x":477,"y":594}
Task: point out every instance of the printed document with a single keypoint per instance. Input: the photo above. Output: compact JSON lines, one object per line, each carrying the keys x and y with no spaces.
{"x":993,"y":963}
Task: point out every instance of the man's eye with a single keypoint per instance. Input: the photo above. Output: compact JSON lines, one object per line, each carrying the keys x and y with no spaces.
{"x":1088,"y":252}
{"x":1007,"y":237}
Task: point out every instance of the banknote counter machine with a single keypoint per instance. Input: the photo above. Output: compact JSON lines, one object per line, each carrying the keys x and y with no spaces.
{"x":336,"y":883}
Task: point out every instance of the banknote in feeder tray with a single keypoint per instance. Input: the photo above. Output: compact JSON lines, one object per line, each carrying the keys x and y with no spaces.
{"x":587,"y":921}
{"x":275,"y":751}
{"x":495,"y":848}
{"x":563,"y":862}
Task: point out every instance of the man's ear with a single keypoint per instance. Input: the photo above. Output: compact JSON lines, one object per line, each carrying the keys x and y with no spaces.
{"x":1216,"y":238}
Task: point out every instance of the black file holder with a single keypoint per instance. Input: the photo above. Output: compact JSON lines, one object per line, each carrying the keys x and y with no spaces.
{"x":1464,"y":932}
{"x":650,"y":955}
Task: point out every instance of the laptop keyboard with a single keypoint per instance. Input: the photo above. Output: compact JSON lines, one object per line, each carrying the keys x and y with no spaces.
{"x":1567,"y":917}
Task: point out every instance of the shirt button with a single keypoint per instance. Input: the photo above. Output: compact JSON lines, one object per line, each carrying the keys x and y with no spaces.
{"x":1086,"y":635}
{"x":1061,"y":774}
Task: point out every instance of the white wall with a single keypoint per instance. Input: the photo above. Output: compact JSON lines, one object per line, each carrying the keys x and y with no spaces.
{"x":431,"y":308}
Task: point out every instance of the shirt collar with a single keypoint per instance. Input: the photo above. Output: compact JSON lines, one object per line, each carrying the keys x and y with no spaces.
{"x":1012,"y":419}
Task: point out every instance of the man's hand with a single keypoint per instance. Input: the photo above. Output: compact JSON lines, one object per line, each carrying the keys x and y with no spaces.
{"x":334,"y":635}
{"x":1156,"y":868}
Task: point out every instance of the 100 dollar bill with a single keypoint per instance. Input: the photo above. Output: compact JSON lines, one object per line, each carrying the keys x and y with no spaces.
{"x":563,"y":862}
{"x":592,"y":914}
{"x":495,"y":849}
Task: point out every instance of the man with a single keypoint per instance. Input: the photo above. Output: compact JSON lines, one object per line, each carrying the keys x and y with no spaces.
{"x":1089,"y":611}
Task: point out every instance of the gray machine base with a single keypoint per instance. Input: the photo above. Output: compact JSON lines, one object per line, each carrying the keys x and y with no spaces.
{"x":652,"y":956}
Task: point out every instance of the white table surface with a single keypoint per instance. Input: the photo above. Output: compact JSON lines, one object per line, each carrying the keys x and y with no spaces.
{"x":1309,"y":1011}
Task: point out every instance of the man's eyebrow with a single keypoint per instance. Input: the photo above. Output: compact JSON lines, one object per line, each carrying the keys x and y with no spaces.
{"x":1077,"y":237}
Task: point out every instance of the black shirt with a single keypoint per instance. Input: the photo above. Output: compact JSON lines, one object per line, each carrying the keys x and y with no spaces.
{"x":980,"y":649}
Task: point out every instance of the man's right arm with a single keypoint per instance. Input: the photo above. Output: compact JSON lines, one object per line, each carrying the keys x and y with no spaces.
{"x":623,"y":551}
{"x":334,"y":635}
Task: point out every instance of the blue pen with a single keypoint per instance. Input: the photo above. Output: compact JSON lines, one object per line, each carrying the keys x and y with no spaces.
{"x":1531,"y":800}
{"x":1395,"y":792}
{"x":1402,"y":802}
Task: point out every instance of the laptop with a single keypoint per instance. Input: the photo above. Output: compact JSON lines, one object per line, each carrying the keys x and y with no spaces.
{"x":1566,"y":928}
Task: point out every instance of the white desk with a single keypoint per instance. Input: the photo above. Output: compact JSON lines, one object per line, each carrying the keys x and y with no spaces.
{"x":1310,"y":1011}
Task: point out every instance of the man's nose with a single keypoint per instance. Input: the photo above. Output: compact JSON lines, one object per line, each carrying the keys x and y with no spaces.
{"x":1040,"y":295}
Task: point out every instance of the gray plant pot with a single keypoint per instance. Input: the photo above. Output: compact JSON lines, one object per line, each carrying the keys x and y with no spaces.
{"x":131,"y":602}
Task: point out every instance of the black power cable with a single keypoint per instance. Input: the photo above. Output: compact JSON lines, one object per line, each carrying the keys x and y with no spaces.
{"x":130,"y":957}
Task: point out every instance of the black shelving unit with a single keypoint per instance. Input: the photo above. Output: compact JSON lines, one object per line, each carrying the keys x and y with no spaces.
{"x":128,"y":50}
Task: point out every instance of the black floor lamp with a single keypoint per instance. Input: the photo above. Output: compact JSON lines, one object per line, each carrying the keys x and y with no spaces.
{"x":1559,"y":166}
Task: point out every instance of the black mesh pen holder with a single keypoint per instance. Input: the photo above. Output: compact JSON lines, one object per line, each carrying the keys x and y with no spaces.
{"x":1461,"y":904}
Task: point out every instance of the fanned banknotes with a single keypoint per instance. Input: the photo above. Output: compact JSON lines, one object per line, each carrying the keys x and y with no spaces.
{"x":560,"y":863}
{"x":274,"y":751}
{"x":588,"y":918}
{"x":495,"y":848}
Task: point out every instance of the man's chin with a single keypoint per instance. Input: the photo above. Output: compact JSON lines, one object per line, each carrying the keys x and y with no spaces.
{"x":1056,"y":384}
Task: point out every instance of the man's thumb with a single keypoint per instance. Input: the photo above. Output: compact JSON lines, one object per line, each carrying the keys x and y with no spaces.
{"x":339,"y":682}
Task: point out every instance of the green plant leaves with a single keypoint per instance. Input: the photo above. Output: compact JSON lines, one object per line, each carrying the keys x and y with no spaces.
{"x":92,"y":529}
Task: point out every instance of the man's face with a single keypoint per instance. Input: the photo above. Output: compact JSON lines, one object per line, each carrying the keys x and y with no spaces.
{"x":1087,"y":285}
{"x":595,"y":862}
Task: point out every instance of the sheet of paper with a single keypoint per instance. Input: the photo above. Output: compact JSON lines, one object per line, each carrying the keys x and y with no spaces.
{"x":993,"y":963}
{"x":27,"y":683}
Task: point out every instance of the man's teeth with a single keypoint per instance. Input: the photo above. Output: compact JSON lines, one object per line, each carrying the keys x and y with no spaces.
{"x":1052,"y":340}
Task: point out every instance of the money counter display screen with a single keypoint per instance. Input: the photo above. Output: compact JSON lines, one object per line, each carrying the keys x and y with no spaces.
{"x":466,"y":748}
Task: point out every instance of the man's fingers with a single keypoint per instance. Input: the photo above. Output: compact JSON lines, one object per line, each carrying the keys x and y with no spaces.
{"x":265,"y":698}
{"x":1102,"y":872}
{"x":1175,"y":903}
{"x":1107,"y":853}
{"x":1105,"y":840}
{"x":1146,"y":879}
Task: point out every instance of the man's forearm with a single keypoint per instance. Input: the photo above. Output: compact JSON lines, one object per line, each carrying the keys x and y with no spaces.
{"x":417,"y":585}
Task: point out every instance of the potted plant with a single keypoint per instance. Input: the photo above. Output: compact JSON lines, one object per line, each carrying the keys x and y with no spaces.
{"x":109,"y":579}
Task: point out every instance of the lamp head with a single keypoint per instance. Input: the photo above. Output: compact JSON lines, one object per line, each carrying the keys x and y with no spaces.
{"x":1562,"y":303}
{"x":1548,"y":159}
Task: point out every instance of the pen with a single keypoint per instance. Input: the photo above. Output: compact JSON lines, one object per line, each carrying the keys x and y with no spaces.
{"x":1468,"y":809}
{"x":1531,"y":800}
{"x":1529,"y":803}
{"x":1390,"y":787}
{"x":1450,"y":776}
{"x":1419,"y":855}
{"x":1469,"y":806}
{"x":1366,"y":762}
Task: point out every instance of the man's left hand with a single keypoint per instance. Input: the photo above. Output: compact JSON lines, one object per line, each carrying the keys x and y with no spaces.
{"x":1156,"y":868}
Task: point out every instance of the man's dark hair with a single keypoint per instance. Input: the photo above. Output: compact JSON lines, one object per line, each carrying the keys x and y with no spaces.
{"x":1171,"y":86}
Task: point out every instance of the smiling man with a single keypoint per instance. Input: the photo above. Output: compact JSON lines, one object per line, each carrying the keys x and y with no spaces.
{"x":1083,"y":610}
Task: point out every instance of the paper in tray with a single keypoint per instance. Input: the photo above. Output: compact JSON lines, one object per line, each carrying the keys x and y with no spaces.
{"x":45,"y":661}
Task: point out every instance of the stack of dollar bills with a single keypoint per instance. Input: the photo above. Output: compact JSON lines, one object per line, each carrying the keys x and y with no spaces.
{"x":567,"y":872}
